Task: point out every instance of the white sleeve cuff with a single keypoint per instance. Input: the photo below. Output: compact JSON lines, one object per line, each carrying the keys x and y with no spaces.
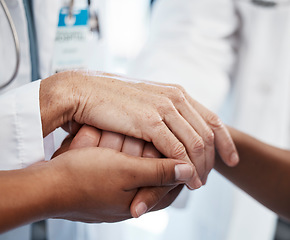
{"x":21,"y":139}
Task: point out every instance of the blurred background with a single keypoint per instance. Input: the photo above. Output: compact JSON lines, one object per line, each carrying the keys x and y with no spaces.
{"x":123,"y":27}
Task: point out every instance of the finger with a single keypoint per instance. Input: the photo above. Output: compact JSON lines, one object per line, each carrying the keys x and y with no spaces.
{"x":223,"y":141}
{"x":133,"y":146}
{"x":169,"y":198}
{"x":112,"y":140}
{"x":210,"y":166}
{"x":207,"y":136}
{"x":147,"y":198}
{"x":205,"y":141}
{"x":165,"y":140}
{"x":71,"y":127}
{"x":225,"y":145}
{"x":144,"y":172}
{"x":150,"y":151}
{"x":193,"y":142}
{"x":87,"y":136}
{"x":204,"y":144}
{"x":186,"y":111}
{"x":204,"y":180}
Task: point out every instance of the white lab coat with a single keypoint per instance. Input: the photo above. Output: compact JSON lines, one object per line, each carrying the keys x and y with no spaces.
{"x":21,"y":133}
{"x":207,"y":46}
{"x":21,"y":140}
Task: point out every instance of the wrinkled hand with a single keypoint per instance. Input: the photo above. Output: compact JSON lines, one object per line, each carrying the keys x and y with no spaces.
{"x":211,"y":133}
{"x":162,"y":114}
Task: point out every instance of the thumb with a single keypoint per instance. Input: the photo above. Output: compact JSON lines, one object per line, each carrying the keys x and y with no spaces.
{"x":153,"y":198}
{"x":153,"y":172}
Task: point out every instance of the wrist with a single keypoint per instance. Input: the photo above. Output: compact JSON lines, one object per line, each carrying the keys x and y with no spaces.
{"x":58,"y":101}
{"x":66,"y":192}
{"x":57,"y":193}
{"x":46,"y":181}
{"x":36,"y":186}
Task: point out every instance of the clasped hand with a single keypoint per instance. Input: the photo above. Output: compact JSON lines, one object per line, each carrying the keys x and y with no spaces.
{"x":163,"y":115}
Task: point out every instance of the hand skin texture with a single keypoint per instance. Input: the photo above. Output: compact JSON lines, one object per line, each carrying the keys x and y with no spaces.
{"x":88,"y":184}
{"x":178,"y":126}
{"x":71,"y":186}
{"x":152,"y":198}
{"x":263,"y":172}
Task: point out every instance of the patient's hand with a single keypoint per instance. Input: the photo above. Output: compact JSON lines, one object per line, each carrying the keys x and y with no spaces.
{"x":155,"y":198}
{"x":89,"y":136}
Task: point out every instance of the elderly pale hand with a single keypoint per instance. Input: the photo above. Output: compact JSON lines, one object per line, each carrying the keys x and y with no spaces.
{"x":161,"y":114}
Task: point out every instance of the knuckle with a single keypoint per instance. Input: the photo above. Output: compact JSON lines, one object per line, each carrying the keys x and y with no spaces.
{"x":179,"y":87}
{"x":214,"y":121}
{"x":156,"y":122}
{"x":198,"y":145}
{"x":148,"y":117}
{"x":177,"y":95}
{"x":178,"y":151}
{"x":209,"y":137}
{"x":165,"y":106}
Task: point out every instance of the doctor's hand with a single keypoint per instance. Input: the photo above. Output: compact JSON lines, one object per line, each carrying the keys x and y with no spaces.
{"x":222,"y":139}
{"x":153,"y":112}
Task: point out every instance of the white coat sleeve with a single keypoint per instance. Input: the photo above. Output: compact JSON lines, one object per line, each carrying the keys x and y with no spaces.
{"x":21,"y":140}
{"x":190,"y":43}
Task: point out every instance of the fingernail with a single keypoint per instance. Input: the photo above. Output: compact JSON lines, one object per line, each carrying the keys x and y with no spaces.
{"x":183,"y":172}
{"x":140,"y":209}
{"x":234,"y":158}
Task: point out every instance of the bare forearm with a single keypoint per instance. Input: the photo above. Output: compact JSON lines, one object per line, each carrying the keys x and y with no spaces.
{"x":263,"y":172}
{"x":27,"y":195}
